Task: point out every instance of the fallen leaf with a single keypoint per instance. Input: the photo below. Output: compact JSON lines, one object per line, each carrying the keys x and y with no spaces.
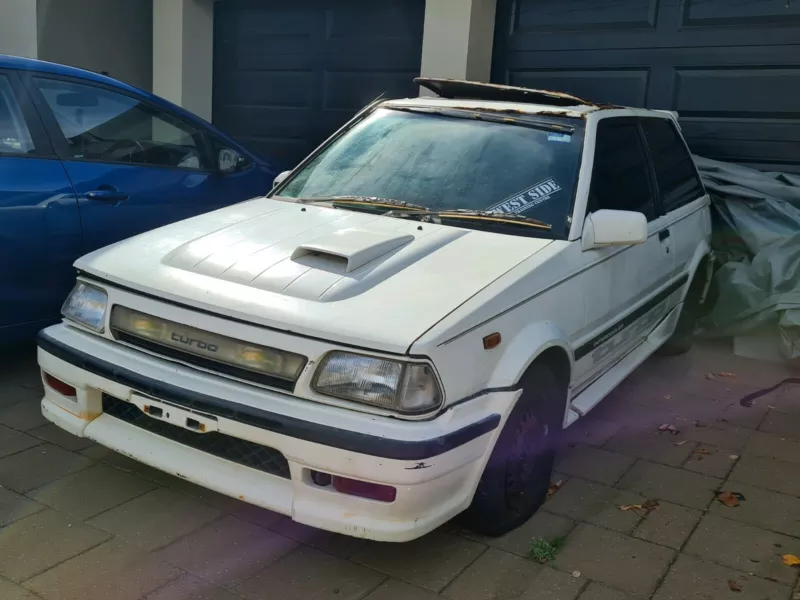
{"x":671,"y":428}
{"x":734,"y":586}
{"x":646,"y":506}
{"x":681,"y":443}
{"x":554,"y":487}
{"x":734,"y":457}
{"x":730,"y":499}
{"x":728,"y":375}
{"x":702,"y":451}
{"x":790,"y":560}
{"x":651,"y":504}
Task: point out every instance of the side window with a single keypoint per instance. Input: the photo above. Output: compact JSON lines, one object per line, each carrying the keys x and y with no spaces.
{"x":676,"y":175}
{"x":15,"y":138}
{"x":102,"y":125}
{"x":621,"y":177}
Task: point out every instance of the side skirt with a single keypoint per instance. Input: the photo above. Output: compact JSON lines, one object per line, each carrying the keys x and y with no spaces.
{"x":586,"y":399}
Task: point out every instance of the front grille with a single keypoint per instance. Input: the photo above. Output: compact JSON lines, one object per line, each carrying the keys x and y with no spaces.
{"x":205,"y":363}
{"x":224,"y":446}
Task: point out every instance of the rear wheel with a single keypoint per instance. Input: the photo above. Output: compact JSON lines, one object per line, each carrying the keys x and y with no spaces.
{"x":515,"y":481}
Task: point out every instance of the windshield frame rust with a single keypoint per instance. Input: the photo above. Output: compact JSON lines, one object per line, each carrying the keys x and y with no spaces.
{"x":556,"y":121}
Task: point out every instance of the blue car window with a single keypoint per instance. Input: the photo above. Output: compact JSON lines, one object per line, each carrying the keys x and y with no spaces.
{"x":102,"y":125}
{"x":14,"y":135}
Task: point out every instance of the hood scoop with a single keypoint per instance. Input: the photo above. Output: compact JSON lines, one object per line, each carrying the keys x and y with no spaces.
{"x":346,"y":250}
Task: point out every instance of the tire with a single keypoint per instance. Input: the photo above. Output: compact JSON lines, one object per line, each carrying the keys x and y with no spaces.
{"x":515,"y":481}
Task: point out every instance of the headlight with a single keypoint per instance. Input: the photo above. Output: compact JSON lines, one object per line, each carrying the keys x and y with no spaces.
{"x":400,"y":386}
{"x":86,"y":305}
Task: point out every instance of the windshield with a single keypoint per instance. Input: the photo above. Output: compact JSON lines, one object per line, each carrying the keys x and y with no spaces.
{"x":447,"y":163}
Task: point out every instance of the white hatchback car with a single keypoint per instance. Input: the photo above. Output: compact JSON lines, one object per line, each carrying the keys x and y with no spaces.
{"x":395,"y":334}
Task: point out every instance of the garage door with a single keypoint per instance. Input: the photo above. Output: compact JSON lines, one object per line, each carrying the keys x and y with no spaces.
{"x":287,"y":73}
{"x":730,"y":67}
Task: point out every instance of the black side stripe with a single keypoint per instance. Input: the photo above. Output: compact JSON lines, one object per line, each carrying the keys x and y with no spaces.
{"x":628,"y":320}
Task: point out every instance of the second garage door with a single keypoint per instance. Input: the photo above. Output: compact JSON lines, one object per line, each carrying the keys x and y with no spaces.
{"x":286,"y":75}
{"x":730,"y":67}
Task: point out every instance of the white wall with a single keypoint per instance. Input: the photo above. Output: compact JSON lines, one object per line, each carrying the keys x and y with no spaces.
{"x":18,"y":32}
{"x":183,"y":53}
{"x":458,"y":39}
{"x":115,"y":36}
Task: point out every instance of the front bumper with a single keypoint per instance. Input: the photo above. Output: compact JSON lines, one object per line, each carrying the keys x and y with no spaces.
{"x":434,"y":465}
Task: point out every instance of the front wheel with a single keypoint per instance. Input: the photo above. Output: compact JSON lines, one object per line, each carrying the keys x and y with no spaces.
{"x":515,"y":481}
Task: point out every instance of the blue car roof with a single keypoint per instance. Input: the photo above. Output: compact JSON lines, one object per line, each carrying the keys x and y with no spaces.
{"x":31,"y":64}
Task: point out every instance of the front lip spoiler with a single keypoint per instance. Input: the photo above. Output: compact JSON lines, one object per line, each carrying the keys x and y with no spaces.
{"x":360,"y":443}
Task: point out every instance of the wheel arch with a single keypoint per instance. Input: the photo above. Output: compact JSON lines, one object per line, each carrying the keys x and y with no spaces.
{"x":536,"y":341}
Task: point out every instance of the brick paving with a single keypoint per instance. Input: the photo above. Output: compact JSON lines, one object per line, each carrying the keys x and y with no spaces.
{"x":79,"y":522}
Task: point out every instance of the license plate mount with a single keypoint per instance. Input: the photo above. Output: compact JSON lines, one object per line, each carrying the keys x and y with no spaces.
{"x":175,"y":415}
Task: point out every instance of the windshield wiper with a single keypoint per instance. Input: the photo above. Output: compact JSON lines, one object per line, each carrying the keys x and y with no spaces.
{"x":474,"y":215}
{"x":389,"y":203}
{"x":401,"y":208}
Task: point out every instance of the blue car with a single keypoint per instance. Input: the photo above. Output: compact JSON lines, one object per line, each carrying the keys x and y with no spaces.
{"x":86,"y":161}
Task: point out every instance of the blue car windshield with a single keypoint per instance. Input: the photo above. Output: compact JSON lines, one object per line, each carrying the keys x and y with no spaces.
{"x":446,"y":163}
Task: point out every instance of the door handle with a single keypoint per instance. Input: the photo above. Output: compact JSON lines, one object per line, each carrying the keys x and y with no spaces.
{"x":663,"y":234}
{"x":106,"y":195}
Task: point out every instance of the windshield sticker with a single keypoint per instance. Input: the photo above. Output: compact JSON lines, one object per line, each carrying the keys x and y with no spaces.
{"x":564,"y":138}
{"x":527,"y":199}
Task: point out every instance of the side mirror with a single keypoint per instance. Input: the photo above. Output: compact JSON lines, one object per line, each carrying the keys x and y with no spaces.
{"x":280,"y":178}
{"x":613,"y":228}
{"x":228,"y":160}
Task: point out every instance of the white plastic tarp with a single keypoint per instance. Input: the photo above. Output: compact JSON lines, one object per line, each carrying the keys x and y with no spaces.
{"x":757,"y":241}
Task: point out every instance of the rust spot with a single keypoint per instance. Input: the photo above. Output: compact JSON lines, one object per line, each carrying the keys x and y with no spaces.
{"x":521,"y":113}
{"x":455,"y":88}
{"x":87,"y":415}
{"x":551,"y":113}
{"x":490,"y":109}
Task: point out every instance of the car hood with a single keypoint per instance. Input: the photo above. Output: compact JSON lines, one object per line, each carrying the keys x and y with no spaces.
{"x":358,"y":279}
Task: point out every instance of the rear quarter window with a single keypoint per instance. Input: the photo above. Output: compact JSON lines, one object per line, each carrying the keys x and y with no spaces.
{"x":676,"y":174}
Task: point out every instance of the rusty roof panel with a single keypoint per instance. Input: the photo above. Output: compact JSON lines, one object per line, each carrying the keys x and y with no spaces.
{"x":474,"y":90}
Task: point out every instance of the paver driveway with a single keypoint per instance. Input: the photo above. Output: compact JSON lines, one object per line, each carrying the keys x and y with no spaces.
{"x":78,"y":522}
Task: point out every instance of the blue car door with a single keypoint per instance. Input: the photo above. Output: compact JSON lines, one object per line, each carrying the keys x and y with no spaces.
{"x":134,"y":165}
{"x":40,"y":229}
